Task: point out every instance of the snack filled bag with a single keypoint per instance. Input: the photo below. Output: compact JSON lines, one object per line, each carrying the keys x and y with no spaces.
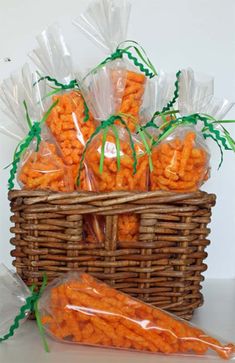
{"x":106,"y":22}
{"x":181,"y":161}
{"x":115,"y":158}
{"x":70,"y":120}
{"x":180,"y":155}
{"x":37,"y":160}
{"x":77,"y":308}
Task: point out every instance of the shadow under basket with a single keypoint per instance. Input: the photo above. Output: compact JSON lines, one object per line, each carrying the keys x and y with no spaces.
{"x":162,"y":267}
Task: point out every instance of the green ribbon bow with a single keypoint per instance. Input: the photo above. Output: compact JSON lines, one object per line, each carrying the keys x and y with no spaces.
{"x":31,"y":305}
{"x":208,"y":131}
{"x":104,"y":126}
{"x":34,"y":133}
{"x":149,"y":72}
{"x":73,"y":84}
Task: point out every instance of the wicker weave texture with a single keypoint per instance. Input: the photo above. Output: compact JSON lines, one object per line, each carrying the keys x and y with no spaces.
{"x":164,"y":267}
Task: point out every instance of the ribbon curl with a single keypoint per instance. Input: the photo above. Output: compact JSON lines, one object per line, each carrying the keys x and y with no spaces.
{"x":166,"y":109}
{"x":34,"y":133}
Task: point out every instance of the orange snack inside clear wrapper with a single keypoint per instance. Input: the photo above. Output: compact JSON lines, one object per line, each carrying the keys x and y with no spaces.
{"x":44,"y":169}
{"x":70,"y":129}
{"x":132,"y":98}
{"x":180,"y":163}
{"x":78,"y":308}
{"x":112,"y":179}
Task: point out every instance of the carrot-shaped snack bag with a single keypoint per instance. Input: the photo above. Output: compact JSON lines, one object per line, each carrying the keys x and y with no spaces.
{"x":106,"y":22}
{"x":37,"y":161}
{"x":115,"y":158}
{"x":180,"y":154}
{"x":79,"y":309}
{"x":70,"y":121}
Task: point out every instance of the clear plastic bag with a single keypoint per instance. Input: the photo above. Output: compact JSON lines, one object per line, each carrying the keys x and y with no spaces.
{"x":70,"y":121}
{"x":39,"y":166}
{"x":113,"y":148}
{"x":180,"y":161}
{"x":106,"y":22}
{"x":195,"y":92}
{"x":13,"y":292}
{"x":79,"y":309}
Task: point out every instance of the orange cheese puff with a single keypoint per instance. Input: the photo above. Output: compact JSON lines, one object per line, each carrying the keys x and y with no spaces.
{"x":44,"y":169}
{"x":66,"y":122}
{"x":86,"y":311}
{"x":128,"y":227}
{"x":179,"y":164}
{"x":132,"y":96}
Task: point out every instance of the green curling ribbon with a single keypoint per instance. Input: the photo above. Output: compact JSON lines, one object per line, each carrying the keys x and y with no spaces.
{"x":73,"y":84}
{"x":151,"y":123}
{"x":171,"y":103}
{"x":34,"y":133}
{"x":103,"y":127}
{"x":149,"y":72}
{"x":31,"y":305}
{"x":206,"y":136}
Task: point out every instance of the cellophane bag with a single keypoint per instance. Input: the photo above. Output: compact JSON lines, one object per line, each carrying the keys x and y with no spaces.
{"x":103,"y":101}
{"x":195,"y":92}
{"x":70,"y":121}
{"x":165,"y":88}
{"x":13,"y":292}
{"x":77,"y":308}
{"x":40,"y":166}
{"x":180,"y":161}
{"x":161,"y":98}
{"x":106,"y":22}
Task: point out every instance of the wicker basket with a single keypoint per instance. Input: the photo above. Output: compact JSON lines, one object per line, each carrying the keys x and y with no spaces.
{"x":164,"y":267}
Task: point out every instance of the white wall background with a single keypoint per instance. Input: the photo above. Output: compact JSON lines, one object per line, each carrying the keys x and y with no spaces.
{"x":176,"y":34}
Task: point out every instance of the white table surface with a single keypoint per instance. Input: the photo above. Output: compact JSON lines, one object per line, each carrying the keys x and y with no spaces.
{"x":217,"y":316}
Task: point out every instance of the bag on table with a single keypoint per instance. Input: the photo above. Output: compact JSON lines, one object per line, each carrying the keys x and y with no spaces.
{"x":37,"y":160}
{"x":77,"y":308}
{"x":80,"y":309}
{"x":106,"y":22}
